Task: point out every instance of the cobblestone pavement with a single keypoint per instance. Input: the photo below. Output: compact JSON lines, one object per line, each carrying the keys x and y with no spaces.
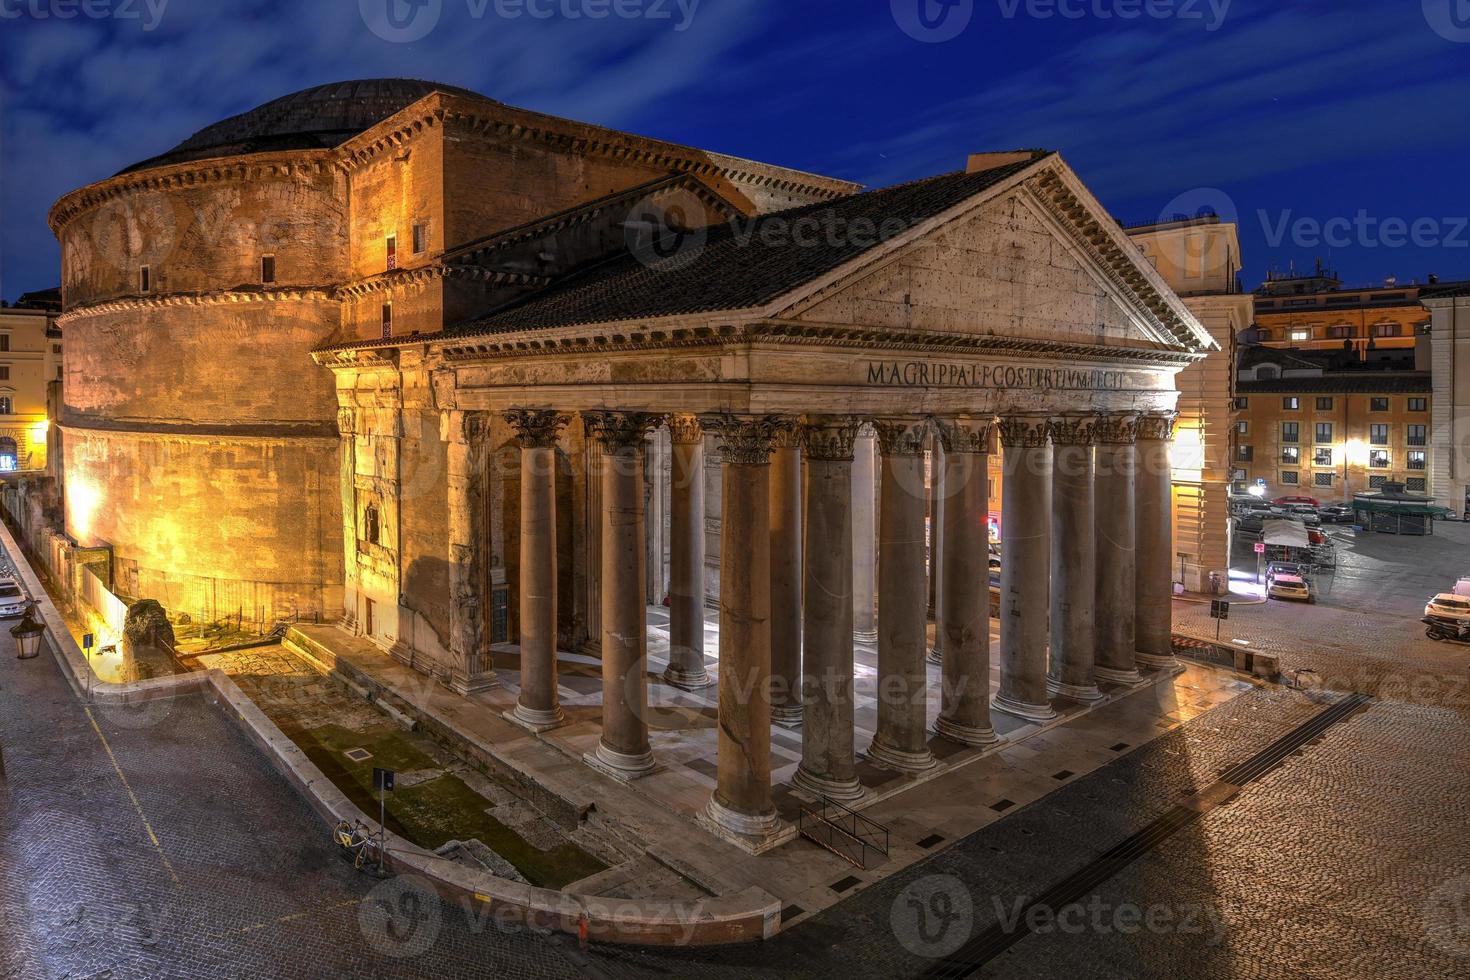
{"x":160,"y":843}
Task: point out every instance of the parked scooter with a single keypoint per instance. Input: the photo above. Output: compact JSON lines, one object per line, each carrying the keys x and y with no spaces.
{"x":1448,"y":630}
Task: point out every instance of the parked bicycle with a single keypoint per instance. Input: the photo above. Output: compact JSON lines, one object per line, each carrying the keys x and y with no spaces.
{"x":359,"y":844}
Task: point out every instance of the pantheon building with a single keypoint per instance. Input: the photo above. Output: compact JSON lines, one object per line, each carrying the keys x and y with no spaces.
{"x":458,"y":374}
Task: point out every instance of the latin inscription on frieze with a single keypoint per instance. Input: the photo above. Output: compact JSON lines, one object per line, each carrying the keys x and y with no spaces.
{"x":955,"y":374}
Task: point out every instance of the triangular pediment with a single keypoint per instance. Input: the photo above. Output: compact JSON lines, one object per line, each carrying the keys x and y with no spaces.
{"x":1033,"y":261}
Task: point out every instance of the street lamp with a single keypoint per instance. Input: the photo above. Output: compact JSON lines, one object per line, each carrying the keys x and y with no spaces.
{"x":27,"y":635}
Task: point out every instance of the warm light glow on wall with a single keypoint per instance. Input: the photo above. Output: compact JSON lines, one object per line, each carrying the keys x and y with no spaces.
{"x":82,"y":500}
{"x":1187,"y":455}
{"x":1357,"y":452}
{"x":38,"y":431}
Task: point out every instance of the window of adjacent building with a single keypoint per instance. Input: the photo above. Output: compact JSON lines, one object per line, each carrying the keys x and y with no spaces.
{"x":1378,"y":434}
{"x":1324,"y":404}
{"x":1324,"y":432}
{"x":5,"y":375}
{"x":420,"y":238}
{"x":387,"y":320}
{"x":4,"y":341}
{"x":1340,"y":332}
{"x":1291,"y":454}
{"x":1416,"y":484}
{"x":1418,"y":404}
{"x":1322,"y":457}
{"x":370,"y":529}
{"x":392,"y":247}
{"x":1418,"y":435}
{"x":1378,"y":459}
{"x":267,"y":268}
{"x":1418,"y":460}
{"x":1385,"y":329}
{"x":1237,"y":474}
{"x":145,"y":280}
{"x":1321,"y":479}
{"x":5,"y":405}
{"x":1378,"y":404}
{"x":1291,"y":404}
{"x":1241,"y":404}
{"x":1300,"y":333}
{"x":1247,"y":453}
{"x":1267,"y":372}
{"x":1290,"y":431}
{"x":56,"y":348}
{"x":1377,"y":482}
{"x":1243,"y":426}
{"x":1290,"y":479}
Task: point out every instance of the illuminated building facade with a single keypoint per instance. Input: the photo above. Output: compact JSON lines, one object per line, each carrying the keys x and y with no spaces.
{"x":30,"y":361}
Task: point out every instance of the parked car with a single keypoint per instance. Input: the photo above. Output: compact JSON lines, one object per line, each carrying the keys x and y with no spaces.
{"x":1284,"y":501}
{"x":13,"y":599}
{"x":1289,"y":580}
{"x":1304,"y":513}
{"x":1335,"y":514}
{"x":1447,"y":605}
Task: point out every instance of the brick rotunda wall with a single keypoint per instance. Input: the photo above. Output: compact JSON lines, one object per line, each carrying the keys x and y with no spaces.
{"x":200,"y":437}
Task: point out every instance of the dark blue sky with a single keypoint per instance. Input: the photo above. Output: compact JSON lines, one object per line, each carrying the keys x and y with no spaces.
{"x":1321,"y":124}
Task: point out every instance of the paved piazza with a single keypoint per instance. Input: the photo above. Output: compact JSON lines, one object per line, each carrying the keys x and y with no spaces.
{"x":157,"y":842}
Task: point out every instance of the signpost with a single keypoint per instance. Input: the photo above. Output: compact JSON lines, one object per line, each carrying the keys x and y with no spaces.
{"x":1219,"y":611}
{"x":383,"y":783}
{"x":1260,"y":560}
{"x":87,"y":640}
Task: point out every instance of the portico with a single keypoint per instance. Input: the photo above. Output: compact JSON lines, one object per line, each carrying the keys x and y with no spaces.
{"x":1003,"y":307}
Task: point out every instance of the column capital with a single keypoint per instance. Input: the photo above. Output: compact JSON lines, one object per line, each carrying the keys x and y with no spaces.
{"x":617,"y":431}
{"x":829,"y":437}
{"x":1073,"y":430}
{"x":685,"y":430}
{"x":1158,"y":426}
{"x":901,"y":437}
{"x":747,"y":439}
{"x":966,"y":435}
{"x":1024,"y":431}
{"x":1116,"y":430}
{"x":534,"y":428}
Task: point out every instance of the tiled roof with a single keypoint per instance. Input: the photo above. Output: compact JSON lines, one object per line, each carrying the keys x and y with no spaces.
{"x":1447,"y":291}
{"x":744,"y":264}
{"x":1357,"y":382}
{"x":1287,"y":357}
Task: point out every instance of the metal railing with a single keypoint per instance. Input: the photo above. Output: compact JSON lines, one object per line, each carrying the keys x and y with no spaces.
{"x":843,"y":831}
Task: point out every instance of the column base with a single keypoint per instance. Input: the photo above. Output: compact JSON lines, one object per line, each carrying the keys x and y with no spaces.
{"x":1023,"y":709}
{"x":620,"y":765}
{"x":744,"y":824}
{"x":473,"y":685}
{"x":865,"y":636}
{"x":1110,"y":675}
{"x":787,"y":715}
{"x":1077,"y":692}
{"x":535,"y":719}
{"x":845,"y":790}
{"x":965,"y":734}
{"x":1154,"y":661}
{"x":687,"y":680}
{"x":903,"y":761}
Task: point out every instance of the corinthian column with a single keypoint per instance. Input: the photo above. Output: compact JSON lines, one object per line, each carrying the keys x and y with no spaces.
{"x":937,"y":498}
{"x":1025,"y":567}
{"x":786,"y":579}
{"x":828,"y":765}
{"x":741,"y":803}
{"x":865,"y":538}
{"x":1155,"y":529}
{"x":1073,"y":557}
{"x":686,"y":556}
{"x":623,"y":751}
{"x":347,"y":488}
{"x":965,"y":614}
{"x":537,"y":432}
{"x":901,"y":741}
{"x":469,"y":544}
{"x":1114,"y":538}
